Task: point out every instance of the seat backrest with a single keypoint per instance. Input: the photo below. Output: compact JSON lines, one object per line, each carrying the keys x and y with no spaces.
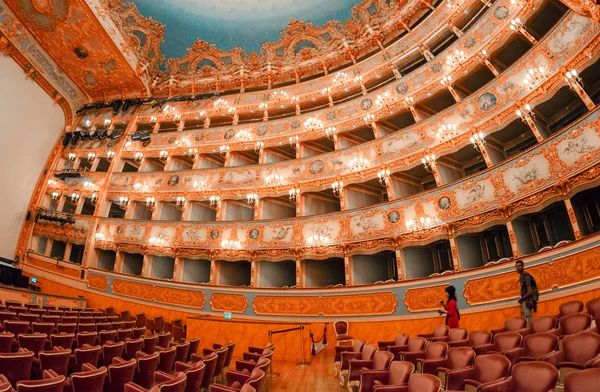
{"x":57,"y":360}
{"x":263,"y":363}
{"x":436,"y":350}
{"x":120,"y":374}
{"x":247,"y":388}
{"x":382,"y":360}
{"x":112,"y":350}
{"x":176,"y":384}
{"x":16,"y":366}
{"x":211,"y":363}
{"x":86,"y":338}
{"x":54,"y":384}
{"x":103,"y":327}
{"x":507,"y":340}
{"x":64,"y":340}
{"x":358,"y":345}
{"x":440,"y":331}
{"x":150,"y":344}
{"x":593,"y":307}
{"x":538,"y":344}
{"x":66,"y":328}
{"x":341,"y":327}
{"x":16,"y":327}
{"x":164,"y":338}
{"x":106,"y":336}
{"x":167,"y":358}
{"x":146,"y":366}
{"x":536,"y":376}
{"x":195,"y":344}
{"x":140,"y":320}
{"x":222,"y":355}
{"x":581,"y":347}
{"x":89,"y":380}
{"x":542,"y":324}
{"x":256,"y":378}
{"x":583,"y":381}
{"x":570,"y":307}
{"x":460,"y":357}
{"x":132,"y":346}
{"x":491,"y":367}
{"x":574,"y":323}
{"x":31,"y":317}
{"x":195,"y":374}
{"x":86,"y":327}
{"x":368,"y":352}
{"x":46,"y":328}
{"x":515,"y":323}
{"x":89,"y":355}
{"x":182,"y":350}
{"x":123,"y":334}
{"x":416,"y":344}
{"x":34,"y":342}
{"x":456,"y":334}
{"x":230,"y":348}
{"x":139,"y":332}
{"x":6,"y":342}
{"x":6,"y":315}
{"x":400,"y":372}
{"x":51,"y":318}
{"x":401,"y":339}
{"x":477,"y":338}
{"x":424,"y":383}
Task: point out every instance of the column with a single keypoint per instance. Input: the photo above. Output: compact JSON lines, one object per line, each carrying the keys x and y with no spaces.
{"x":119,"y":258}
{"x":426,"y":52}
{"x":213,"y":269}
{"x":486,"y":156}
{"x":348,"y":269}
{"x":147,"y":266}
{"x":178,"y":269}
{"x":436,"y":174}
{"x":400,"y":262}
{"x":454,"y":251}
{"x":253,"y":270}
{"x":573,"y":218}
{"x":513,"y":239}
{"x":299,"y":280}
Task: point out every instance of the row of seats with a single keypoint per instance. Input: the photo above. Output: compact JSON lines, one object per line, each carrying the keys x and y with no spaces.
{"x":553,"y":346}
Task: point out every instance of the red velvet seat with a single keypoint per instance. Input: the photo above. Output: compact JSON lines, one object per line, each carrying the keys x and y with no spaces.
{"x":17,"y":327}
{"x":235,"y":381}
{"x":441,"y":331}
{"x":593,"y":307}
{"x":164,"y":339}
{"x":52,"y":318}
{"x":357,"y":347}
{"x":120,"y":372}
{"x":34,"y":342}
{"x":107,"y":336}
{"x":167,"y":358}
{"x":458,"y":358}
{"x":221,"y":356}
{"x":195,"y":344}
{"x":16,"y":366}
{"x":263,"y":364}
{"x":89,"y":379}
{"x":111,"y":350}
{"x":150,"y":343}
{"x":164,"y":382}
{"x":147,"y":364}
{"x":230,"y":349}
{"x":64,"y":340}
{"x":456,"y":337}
{"x":182,"y":350}
{"x":140,"y":320}
{"x":572,"y":324}
{"x":503,"y":341}
{"x":86,"y":354}
{"x":6,"y":315}
{"x":66,"y":328}
{"x":51,"y":382}
{"x":39,"y":311}
{"x":87,"y":321}
{"x":124,"y":334}
{"x":365,"y":355}
{"x":7,"y":342}
{"x":156,"y":325}
{"x":194,"y":373}
{"x":487,"y":369}
{"x":341,"y":329}
{"x":210,"y":363}
{"x":416,"y":383}
{"x":132,"y":346}
{"x":517,"y":324}
{"x":381,"y":361}
{"x":128,"y":324}
{"x":535,"y":376}
{"x":433,"y":350}
{"x":413,"y":345}
{"x":81,"y":328}
{"x":542,"y":324}
{"x":5,"y":385}
{"x":18,"y":309}
{"x":400,"y":340}
{"x":100,"y":319}
{"x":576,"y":353}
{"x":86,"y":338}
{"x":534,"y":347}
{"x":570,"y":307}
{"x":139,"y":332}
{"x":56,"y":359}
{"x":378,"y":380}
{"x":29,"y":317}
{"x":45,"y":328}
{"x":103,"y":327}
{"x":583,"y":381}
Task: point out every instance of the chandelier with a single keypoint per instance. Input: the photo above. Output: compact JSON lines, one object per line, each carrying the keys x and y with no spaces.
{"x":123,"y":200}
{"x":384,"y":100}
{"x":231,"y":245}
{"x":317,"y":240}
{"x":534,"y":77}
{"x":478,"y":140}
{"x":357,"y":164}
{"x":74,"y":197}
{"x":243,"y":136}
{"x":574,"y":81}
{"x":274,"y":180}
{"x":221,"y":105}
{"x":191,"y":152}
{"x":214,"y":201}
{"x":446,"y":81}
{"x":280,"y":95}
{"x":359,"y":80}
{"x":384,"y":176}
{"x":341,"y":78}
{"x":331,"y":132}
{"x":337,"y":188}
{"x":313,"y":124}
{"x":295,"y":142}
{"x":94,"y":199}
{"x":526,"y":113}
{"x":428,"y":161}
{"x":72,"y":157}
{"x":252,"y":199}
{"x":419,"y":224}
{"x":369,"y":120}
{"x":163,"y":155}
{"x":294,"y":195}
{"x":156,"y":241}
{"x":446,"y":132}
{"x":150,"y":203}
{"x":456,"y":58}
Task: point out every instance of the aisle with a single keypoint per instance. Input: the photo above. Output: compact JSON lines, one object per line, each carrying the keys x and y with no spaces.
{"x":318,"y":377}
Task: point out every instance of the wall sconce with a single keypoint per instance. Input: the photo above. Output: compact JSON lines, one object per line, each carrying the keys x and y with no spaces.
{"x":192,"y":152}
{"x":153,"y":120}
{"x":55,"y":196}
{"x":74,"y":197}
{"x":327,"y":92}
{"x":221,"y":104}
{"x":180,"y":202}
{"x":223,"y":150}
{"x":526,"y":114}
{"x":295,"y":142}
{"x":88,"y":123}
{"x":419,"y":224}
{"x":384,"y":100}
{"x":138,"y":156}
{"x":88,"y":185}
{"x":428,"y":161}
{"x":317,"y":240}
{"x":477,"y":140}
{"x":107,"y":122}
{"x":155,"y":241}
{"x":199,"y":185}
{"x":369,"y":120}
{"x":357,"y":164}
{"x":150,"y":203}
{"x":274,"y":180}
{"x":294,"y":195}
{"x":259,"y":146}
{"x":313,"y":124}
{"x":446,"y":132}
{"x":163,"y":155}
{"x":214,"y":201}
{"x":110,"y":154}
{"x":100,"y":236}
{"x":52,"y":182}
{"x":231,"y":245}
{"x":384,"y":176}
{"x":90,"y":157}
{"x":252,"y":199}
{"x":243,"y":136}
{"x":446,"y":81}
{"x":177,"y":118}
{"x":331,"y":133}
{"x":337,"y":188}
{"x":72,"y":157}
{"x":534,"y":77}
{"x":123,"y":200}
{"x":409,"y":101}
{"x":359,"y":80}
{"x":280,"y":95}
{"x":455,"y":59}
{"x":574,"y":81}
{"x":94,"y":199}
{"x":341,"y":78}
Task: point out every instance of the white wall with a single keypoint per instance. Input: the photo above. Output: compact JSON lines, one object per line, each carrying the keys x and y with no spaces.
{"x":30,"y":124}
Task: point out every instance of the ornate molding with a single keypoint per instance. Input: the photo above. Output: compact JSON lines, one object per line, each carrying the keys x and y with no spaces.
{"x":98,"y":282}
{"x":236,"y":303}
{"x":424,"y":299}
{"x":161,"y":294}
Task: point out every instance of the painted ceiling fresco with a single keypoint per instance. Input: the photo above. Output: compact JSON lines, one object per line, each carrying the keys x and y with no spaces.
{"x":235,"y":23}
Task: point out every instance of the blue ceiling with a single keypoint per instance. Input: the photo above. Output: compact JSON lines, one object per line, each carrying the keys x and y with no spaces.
{"x":231,"y":23}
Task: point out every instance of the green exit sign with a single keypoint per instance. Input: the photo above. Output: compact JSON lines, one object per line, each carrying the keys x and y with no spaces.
{"x":227,"y":316}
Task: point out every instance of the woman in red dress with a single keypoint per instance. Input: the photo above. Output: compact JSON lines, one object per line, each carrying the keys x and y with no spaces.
{"x":451,"y":308}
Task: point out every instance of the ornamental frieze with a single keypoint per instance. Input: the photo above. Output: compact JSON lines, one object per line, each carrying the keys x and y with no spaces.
{"x":160,"y":294}
{"x":425,"y":299}
{"x":236,"y":303}
{"x":97,"y":282}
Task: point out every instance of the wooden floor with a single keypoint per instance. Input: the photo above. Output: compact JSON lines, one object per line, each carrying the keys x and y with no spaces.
{"x":318,"y":377}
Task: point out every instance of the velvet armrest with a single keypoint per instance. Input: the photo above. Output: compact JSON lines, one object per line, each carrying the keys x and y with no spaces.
{"x":553,"y":358}
{"x":133,"y":387}
{"x":412,"y":356}
{"x":217,"y":346}
{"x":455,"y":378}
{"x":495,"y":331}
{"x":222,"y":388}
{"x":88,"y":367}
{"x":574,"y":365}
{"x":244,"y":365}
{"x":439,"y":339}
{"x":391,"y":388}
{"x":498,"y":386}
{"x":356,"y":365}
{"x":339,"y":350}
{"x":232,"y":376}
{"x":383,"y":346}
{"x":255,"y":350}
{"x":207,"y":351}
{"x":182,"y":366}
{"x":251,"y":356}
{"x":368,"y":378}
{"x":514,"y":354}
{"x":425,"y":335}
{"x":160,"y":377}
{"x":430,"y":366}
{"x":484,"y":348}
{"x":347,"y":356}
{"x":591,"y":362}
{"x":459,"y":343}
{"x":396,"y":350}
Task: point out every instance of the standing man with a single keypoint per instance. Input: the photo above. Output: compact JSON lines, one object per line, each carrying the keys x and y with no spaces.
{"x":529,"y":292}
